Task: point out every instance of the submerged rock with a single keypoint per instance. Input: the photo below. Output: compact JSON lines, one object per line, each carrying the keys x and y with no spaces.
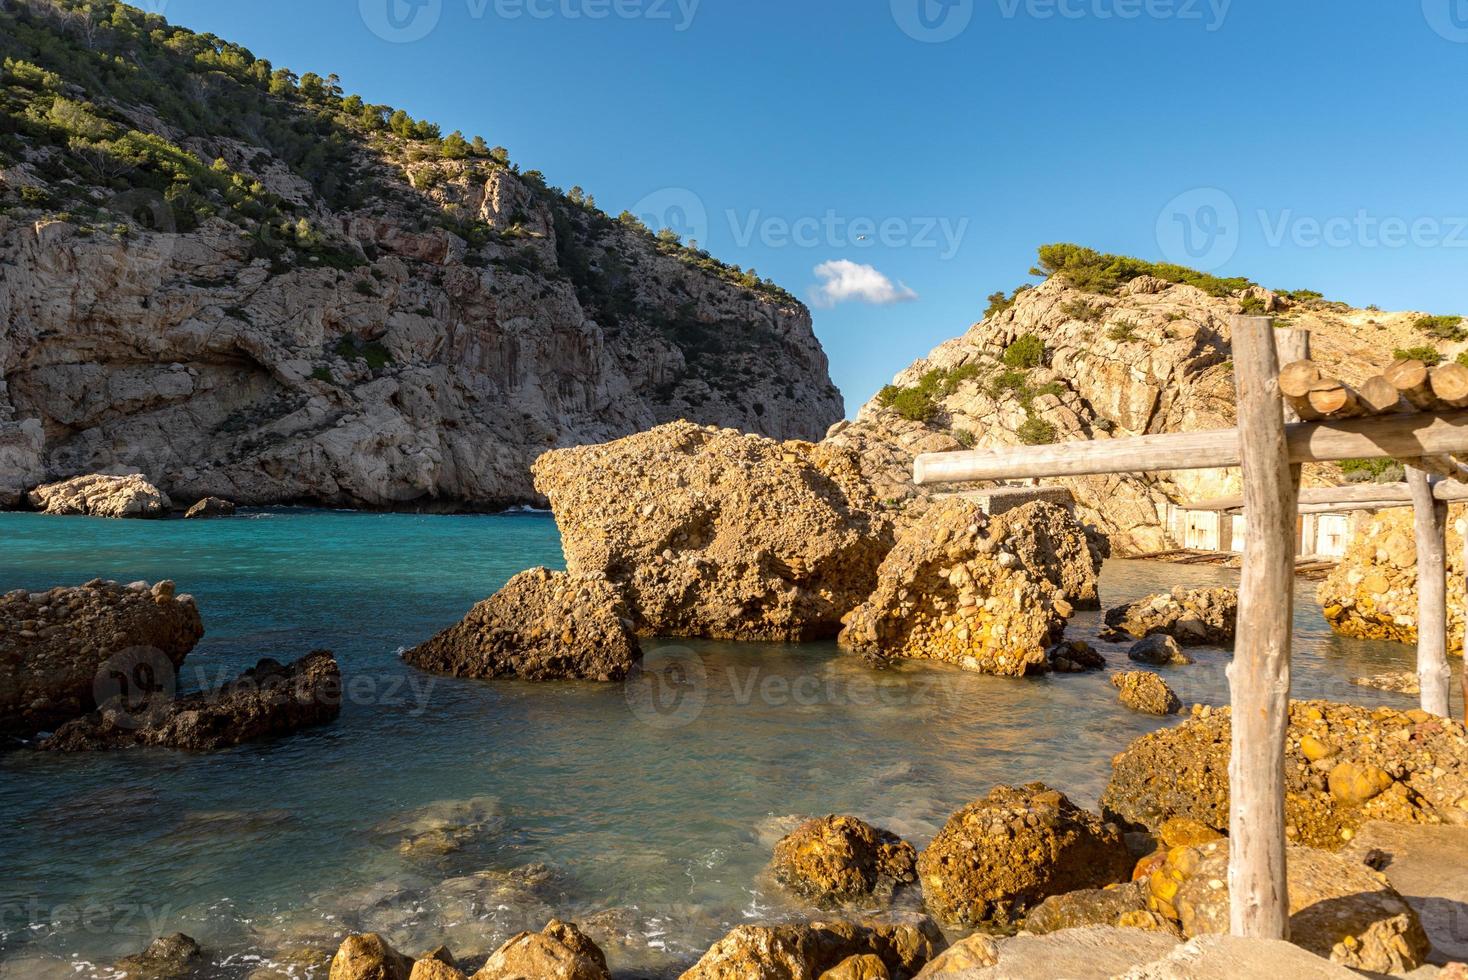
{"x":1339,"y":909}
{"x":1075,"y":657}
{"x":542,"y":625}
{"x":805,"y":952}
{"x":1144,"y":691}
{"x":1158,"y":650}
{"x":1395,"y":681}
{"x":210,"y":507}
{"x":835,"y":859}
{"x":266,"y":700}
{"x":1006,"y":853}
{"x":1193,"y":617}
{"x":61,"y":648}
{"x":707,"y":532}
{"x":1183,"y":771}
{"x":166,"y":958}
{"x":950,"y":591}
{"x":367,"y":956}
{"x":560,"y":951}
{"x":98,"y":495}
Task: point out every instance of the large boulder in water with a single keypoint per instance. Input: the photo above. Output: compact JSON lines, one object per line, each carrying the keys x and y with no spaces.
{"x":1192,"y":617}
{"x":367,"y":956}
{"x":1006,"y":853}
{"x":541,"y":626}
{"x":560,"y":951}
{"x":60,"y":648}
{"x":1344,"y":765}
{"x":99,"y":495}
{"x":837,"y":859}
{"x":708,"y":532}
{"x":805,"y":952}
{"x":1144,"y":691}
{"x":982,"y":593}
{"x":268,"y":699}
{"x":1339,"y":909}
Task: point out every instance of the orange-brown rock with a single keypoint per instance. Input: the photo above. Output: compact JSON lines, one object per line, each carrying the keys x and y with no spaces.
{"x":804,"y":952}
{"x":837,"y":859}
{"x":560,"y":951}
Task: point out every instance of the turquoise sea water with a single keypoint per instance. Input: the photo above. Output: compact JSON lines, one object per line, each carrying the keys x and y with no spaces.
{"x":653,"y":819}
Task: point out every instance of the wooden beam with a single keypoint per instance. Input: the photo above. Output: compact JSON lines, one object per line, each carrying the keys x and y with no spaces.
{"x":1352,"y":496}
{"x":1430,"y":524}
{"x":1259,"y":676}
{"x":1396,"y":436}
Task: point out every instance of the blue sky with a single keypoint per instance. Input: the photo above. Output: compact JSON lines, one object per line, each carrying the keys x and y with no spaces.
{"x":1302,"y":143}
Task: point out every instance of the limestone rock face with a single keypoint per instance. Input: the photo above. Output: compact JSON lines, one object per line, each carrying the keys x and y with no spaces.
{"x":558,"y":952}
{"x":367,"y":956}
{"x":1006,"y":853}
{"x":707,"y":532}
{"x":1372,"y":593}
{"x":1144,"y":691}
{"x":804,"y":952}
{"x":98,"y":495}
{"x":1192,"y":617}
{"x":983,"y":594}
{"x":542,"y":625}
{"x":54,"y":644}
{"x":1339,"y":909}
{"x":839,"y":859}
{"x":1403,"y":767}
{"x":267,"y":700}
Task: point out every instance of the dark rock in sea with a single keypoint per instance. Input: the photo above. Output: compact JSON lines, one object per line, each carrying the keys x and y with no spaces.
{"x":1193,"y":617}
{"x":1075,"y":657}
{"x":836,"y":859}
{"x":541,"y":626}
{"x":211,"y":507}
{"x":62,"y":649}
{"x":166,"y":958}
{"x":1144,"y":691}
{"x":269,"y":699}
{"x":1158,"y":650}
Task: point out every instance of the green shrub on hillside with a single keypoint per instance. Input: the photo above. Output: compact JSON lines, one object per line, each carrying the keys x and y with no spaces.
{"x":1122,"y":331}
{"x":1027,"y":351}
{"x":920,"y":402}
{"x":1427,"y":355}
{"x":1253,"y":306}
{"x":998,"y":302}
{"x":1035,"y":432}
{"x":1442,"y":327}
{"x":1083,"y":310}
{"x":1098,"y":272}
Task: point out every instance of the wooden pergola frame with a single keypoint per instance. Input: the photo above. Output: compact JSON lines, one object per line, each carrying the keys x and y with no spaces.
{"x":1270,"y":443}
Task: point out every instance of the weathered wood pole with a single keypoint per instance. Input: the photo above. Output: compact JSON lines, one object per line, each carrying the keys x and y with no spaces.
{"x":1430,"y":523}
{"x":1259,"y":676}
{"x":1464,"y":669}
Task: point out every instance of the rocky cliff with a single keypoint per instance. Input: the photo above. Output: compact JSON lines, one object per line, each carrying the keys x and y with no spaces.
{"x":1104,"y":348}
{"x":245,"y":284}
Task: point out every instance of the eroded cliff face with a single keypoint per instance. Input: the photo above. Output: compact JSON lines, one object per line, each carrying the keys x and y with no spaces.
{"x":1153,"y":358}
{"x":431,"y":371}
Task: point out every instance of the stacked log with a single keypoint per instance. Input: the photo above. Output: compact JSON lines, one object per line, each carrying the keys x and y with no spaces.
{"x":1406,"y":386}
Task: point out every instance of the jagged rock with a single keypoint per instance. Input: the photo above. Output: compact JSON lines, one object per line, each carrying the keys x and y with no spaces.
{"x":1183,"y":771}
{"x":804,"y":952}
{"x":836,"y":859}
{"x":1075,"y":657}
{"x":865,"y":967}
{"x":1192,"y":617}
{"x":211,"y":507}
{"x":367,"y":956}
{"x":707,"y":532}
{"x":1118,"y":905}
{"x":1159,"y":650}
{"x":1144,"y":691}
{"x":1339,"y":909}
{"x":1083,"y":953}
{"x":949,"y":590}
{"x":542,"y":625}
{"x":1233,"y":957}
{"x":98,"y":495}
{"x":1052,"y":544}
{"x":54,"y":646}
{"x":431,"y":969}
{"x":1006,"y":853}
{"x":166,"y":958}
{"x":267,"y":700}
{"x":1372,"y":592}
{"x":558,"y":952}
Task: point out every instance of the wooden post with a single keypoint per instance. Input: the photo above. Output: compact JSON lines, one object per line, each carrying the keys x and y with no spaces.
{"x":1430,"y":523}
{"x":1259,"y":676}
{"x":1464,"y":668}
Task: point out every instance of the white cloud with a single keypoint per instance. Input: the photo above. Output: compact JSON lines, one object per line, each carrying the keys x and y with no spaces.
{"x":844,"y":281}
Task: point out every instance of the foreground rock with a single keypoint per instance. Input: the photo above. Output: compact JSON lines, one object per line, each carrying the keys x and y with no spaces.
{"x":1006,"y":853}
{"x":805,"y":952}
{"x":1428,"y":866}
{"x":1344,"y":766}
{"x":1088,"y":953}
{"x":101,"y":496}
{"x":210,"y":507}
{"x":1123,"y":906}
{"x":981,"y":593}
{"x":1144,"y":691}
{"x":367,"y":956}
{"x":560,"y":951}
{"x":55,"y":644}
{"x":166,"y":958}
{"x":707,"y":532}
{"x":542,"y":625}
{"x":267,"y":700}
{"x":1372,"y":592}
{"x":1339,"y":908}
{"x":835,"y":860}
{"x":1232,"y":958}
{"x":1158,"y":650}
{"x":1192,"y":617}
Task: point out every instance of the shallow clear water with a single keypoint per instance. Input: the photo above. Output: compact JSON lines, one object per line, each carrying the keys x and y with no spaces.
{"x":660,"y":810}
